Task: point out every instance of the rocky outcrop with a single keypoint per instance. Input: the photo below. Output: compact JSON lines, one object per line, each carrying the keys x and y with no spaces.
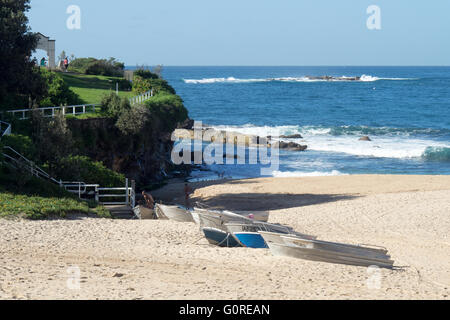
{"x":292,"y":146}
{"x":293,"y":136}
{"x":365,"y":138}
{"x":330,"y":78}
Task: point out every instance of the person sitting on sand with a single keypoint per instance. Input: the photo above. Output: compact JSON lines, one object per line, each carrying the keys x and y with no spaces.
{"x":149,"y":201}
{"x":187,"y":193}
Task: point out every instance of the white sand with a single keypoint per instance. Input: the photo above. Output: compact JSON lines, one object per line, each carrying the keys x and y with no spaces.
{"x":167,"y":260}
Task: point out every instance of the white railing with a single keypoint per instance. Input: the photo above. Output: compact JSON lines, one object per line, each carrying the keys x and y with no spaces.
{"x":19,"y":160}
{"x":5,"y":129}
{"x":141,"y":98}
{"x":82,"y":189}
{"x":50,"y":112}
{"x":128,"y":194}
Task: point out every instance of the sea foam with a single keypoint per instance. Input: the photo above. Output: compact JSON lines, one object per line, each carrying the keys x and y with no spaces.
{"x":363,"y":78}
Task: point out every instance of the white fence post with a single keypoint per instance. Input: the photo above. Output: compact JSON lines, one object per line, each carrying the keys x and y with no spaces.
{"x":133,"y":194}
{"x":127,"y":192}
{"x":97,"y":198}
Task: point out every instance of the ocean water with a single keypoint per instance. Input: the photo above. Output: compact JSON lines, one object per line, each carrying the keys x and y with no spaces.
{"x":404,"y":110}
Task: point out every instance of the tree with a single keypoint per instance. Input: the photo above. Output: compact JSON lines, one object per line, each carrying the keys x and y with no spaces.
{"x":16,"y":46}
{"x":62,"y":56}
{"x":158,"y":70}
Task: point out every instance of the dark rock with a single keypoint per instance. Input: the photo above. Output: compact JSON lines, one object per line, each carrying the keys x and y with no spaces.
{"x":292,"y":146}
{"x":188,"y":124}
{"x":366,"y":138}
{"x":293,"y":136}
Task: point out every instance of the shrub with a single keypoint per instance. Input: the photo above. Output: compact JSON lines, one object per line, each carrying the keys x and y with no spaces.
{"x":113,"y":105}
{"x":133,"y":121}
{"x":169,"y":108}
{"x":141,"y":85}
{"x":52,"y":137}
{"x":145,"y":74}
{"x":81,"y":168}
{"x":101,"y":67}
{"x":58,"y":92}
{"x":20,"y":143}
{"x":80,"y":65}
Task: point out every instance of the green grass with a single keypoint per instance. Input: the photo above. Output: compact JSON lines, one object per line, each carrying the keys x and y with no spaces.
{"x":36,"y":207}
{"x":22,"y":196}
{"x":91,"y":89}
{"x":99,"y":113}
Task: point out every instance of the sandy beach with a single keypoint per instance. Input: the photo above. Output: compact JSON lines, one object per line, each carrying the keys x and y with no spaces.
{"x":409,"y":215}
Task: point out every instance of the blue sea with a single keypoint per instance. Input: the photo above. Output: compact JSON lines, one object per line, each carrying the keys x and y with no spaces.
{"x":404,"y":110}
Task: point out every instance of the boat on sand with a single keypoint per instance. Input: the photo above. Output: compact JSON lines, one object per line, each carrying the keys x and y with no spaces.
{"x":331,"y":252}
{"x":175,"y":213}
{"x":248,"y":233}
{"x":220,"y":238}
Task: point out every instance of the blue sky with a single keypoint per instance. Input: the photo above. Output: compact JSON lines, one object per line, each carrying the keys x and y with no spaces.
{"x":250,"y":32}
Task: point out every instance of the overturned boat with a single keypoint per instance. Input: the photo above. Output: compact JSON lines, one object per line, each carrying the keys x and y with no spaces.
{"x":331,"y":252}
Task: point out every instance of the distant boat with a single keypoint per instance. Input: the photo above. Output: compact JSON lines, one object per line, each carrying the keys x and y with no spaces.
{"x":248,"y":234}
{"x":220,"y":238}
{"x":175,"y":213}
{"x":331,"y":252}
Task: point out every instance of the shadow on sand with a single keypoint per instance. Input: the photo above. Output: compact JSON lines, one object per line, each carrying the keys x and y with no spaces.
{"x":268,"y":201}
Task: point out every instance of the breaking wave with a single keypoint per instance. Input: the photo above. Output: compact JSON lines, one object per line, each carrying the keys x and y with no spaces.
{"x":397,"y":143}
{"x":363,"y":78}
{"x":439,"y":154}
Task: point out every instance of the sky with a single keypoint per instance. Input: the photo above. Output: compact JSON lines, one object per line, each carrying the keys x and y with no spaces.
{"x":250,"y":32}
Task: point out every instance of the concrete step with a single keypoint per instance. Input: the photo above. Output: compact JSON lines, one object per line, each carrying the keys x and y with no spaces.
{"x":121,"y":212}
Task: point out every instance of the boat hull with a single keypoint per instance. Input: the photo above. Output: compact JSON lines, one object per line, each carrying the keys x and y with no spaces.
{"x":145,"y":213}
{"x":220,"y":238}
{"x":341,"y":248}
{"x":250,"y":240}
{"x":174,"y":213}
{"x":256,"y":227}
{"x":218,"y":220}
{"x":261,"y":216}
{"x":311,"y":254}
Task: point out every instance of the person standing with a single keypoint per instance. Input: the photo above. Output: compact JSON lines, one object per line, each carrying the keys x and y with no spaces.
{"x":187,"y":192}
{"x":66,"y":63}
{"x":43,"y":62}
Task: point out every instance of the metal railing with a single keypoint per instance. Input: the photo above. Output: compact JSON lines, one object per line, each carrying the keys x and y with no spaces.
{"x":5,"y":129}
{"x":50,"y":112}
{"x":19,"y":161}
{"x":128,"y":194}
{"x":141,"y":98}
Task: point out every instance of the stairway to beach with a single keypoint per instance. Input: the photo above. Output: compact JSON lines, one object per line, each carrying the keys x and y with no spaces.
{"x":121,"y":212}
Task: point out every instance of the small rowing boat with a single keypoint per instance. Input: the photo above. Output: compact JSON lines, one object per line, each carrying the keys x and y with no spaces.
{"x":175,"y":213}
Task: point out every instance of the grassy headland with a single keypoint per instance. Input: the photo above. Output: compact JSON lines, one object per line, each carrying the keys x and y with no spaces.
{"x":92,"y":88}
